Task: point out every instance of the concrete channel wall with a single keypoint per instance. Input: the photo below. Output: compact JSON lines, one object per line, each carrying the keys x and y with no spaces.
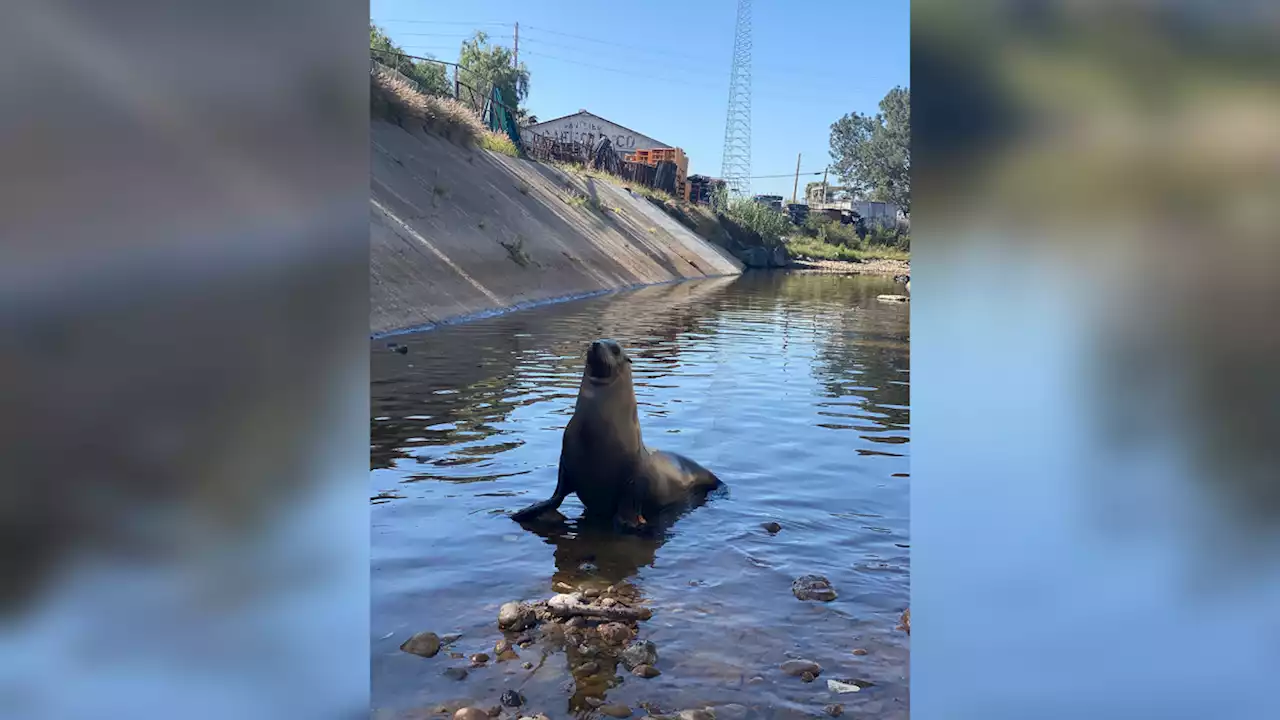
{"x":457,"y":232}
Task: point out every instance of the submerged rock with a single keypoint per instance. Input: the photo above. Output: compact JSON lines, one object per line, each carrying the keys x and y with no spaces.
{"x":772,"y":528}
{"x":800,"y":667}
{"x":813,"y":587}
{"x":456,"y":673}
{"x":697,"y":714}
{"x":645,"y":671}
{"x":480,"y":658}
{"x":614,"y":633}
{"x":426,"y":644}
{"x":617,"y":711}
{"x":859,"y":651}
{"x":808,"y":677}
{"x":834,"y":710}
{"x":512,"y":698}
{"x":641,"y":652}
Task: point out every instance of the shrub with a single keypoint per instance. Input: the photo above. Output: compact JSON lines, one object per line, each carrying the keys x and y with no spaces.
{"x":498,"y":142}
{"x":771,"y":225}
{"x":827,"y":230}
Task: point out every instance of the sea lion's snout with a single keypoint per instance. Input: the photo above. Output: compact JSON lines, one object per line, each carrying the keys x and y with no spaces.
{"x":604,"y":359}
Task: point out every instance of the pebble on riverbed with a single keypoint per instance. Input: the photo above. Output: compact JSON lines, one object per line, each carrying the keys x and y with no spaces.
{"x":512,"y":698}
{"x":800,"y":667}
{"x":834,"y":710}
{"x":617,"y":711}
{"x":456,"y":673}
{"x":813,"y":587}
{"x":614,"y":633}
{"x":645,"y":671}
{"x":426,"y":644}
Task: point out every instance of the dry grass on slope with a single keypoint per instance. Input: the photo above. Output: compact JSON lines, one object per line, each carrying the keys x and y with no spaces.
{"x":394,"y":99}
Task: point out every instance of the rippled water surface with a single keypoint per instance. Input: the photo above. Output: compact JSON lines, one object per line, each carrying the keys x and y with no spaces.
{"x":792,"y":388}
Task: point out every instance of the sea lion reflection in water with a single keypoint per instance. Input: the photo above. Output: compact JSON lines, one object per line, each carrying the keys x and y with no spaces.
{"x":604,"y":461}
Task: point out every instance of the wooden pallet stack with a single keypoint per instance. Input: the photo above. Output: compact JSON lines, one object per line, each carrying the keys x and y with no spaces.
{"x":653,"y":156}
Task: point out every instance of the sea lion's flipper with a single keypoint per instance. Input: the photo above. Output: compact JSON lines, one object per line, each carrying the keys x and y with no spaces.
{"x":551,"y":503}
{"x":630,"y":515}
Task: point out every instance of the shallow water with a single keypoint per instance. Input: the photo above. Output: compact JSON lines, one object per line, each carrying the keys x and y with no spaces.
{"x":794,"y":389}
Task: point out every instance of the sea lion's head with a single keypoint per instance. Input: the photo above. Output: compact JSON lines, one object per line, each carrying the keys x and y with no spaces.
{"x":606,"y":362}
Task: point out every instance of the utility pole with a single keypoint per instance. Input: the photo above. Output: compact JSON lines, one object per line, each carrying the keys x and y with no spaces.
{"x":515,"y":60}
{"x":796,"y":186}
{"x":824,"y":185}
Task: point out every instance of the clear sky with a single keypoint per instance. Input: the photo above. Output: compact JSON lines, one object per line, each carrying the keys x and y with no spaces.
{"x":661,"y":67}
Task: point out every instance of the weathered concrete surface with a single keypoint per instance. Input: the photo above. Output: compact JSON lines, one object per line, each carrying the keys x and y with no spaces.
{"x":456,"y":232}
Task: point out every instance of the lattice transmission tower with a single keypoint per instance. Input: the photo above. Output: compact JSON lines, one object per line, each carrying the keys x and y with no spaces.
{"x":736,"y":164}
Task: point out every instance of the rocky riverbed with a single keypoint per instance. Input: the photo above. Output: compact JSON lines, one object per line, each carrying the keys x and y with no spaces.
{"x":599,"y":630}
{"x":845,"y":267}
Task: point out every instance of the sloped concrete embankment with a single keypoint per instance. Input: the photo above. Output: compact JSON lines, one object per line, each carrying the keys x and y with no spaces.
{"x":458,"y":232}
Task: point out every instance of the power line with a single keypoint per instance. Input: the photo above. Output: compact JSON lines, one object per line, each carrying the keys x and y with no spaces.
{"x":618,"y":70}
{"x":452,"y":34}
{"x":439,"y":22}
{"x":669,"y":56}
{"x":612,"y":43}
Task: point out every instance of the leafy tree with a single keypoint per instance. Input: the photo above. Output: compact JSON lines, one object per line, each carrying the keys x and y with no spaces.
{"x":484,"y":66}
{"x":872,"y":154}
{"x":430,"y":76}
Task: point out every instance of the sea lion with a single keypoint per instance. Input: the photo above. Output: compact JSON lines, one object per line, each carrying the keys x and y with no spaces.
{"x":604,"y":461}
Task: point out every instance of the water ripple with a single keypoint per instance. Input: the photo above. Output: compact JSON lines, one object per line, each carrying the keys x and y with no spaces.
{"x":794,"y":389}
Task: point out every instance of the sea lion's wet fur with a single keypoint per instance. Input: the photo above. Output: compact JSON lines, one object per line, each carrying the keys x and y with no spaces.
{"x":603,"y":459}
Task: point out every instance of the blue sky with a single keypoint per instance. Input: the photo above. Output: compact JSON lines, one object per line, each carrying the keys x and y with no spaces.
{"x":662,"y":67}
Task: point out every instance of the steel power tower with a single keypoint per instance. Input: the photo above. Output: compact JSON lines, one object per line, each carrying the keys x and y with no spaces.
{"x":736,"y":164}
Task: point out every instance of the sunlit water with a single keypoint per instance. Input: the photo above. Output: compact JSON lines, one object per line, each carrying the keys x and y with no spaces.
{"x":794,"y":389}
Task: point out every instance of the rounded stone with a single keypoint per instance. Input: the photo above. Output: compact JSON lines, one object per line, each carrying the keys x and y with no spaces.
{"x":456,"y":673}
{"x":834,"y":710}
{"x":614,"y":633}
{"x":515,"y":616}
{"x":617,"y":711}
{"x":470,"y":713}
{"x":813,"y":587}
{"x":426,"y":644}
{"x":646,"y":671}
{"x":772,"y":527}
{"x":800,"y":667}
{"x":641,"y":652}
{"x":480,"y":658}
